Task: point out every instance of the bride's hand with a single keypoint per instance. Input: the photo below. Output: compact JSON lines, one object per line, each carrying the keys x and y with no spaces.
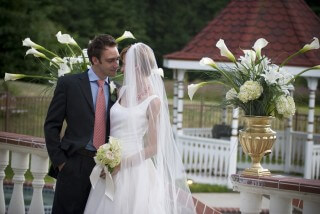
{"x":102,"y":174}
{"x":116,"y":170}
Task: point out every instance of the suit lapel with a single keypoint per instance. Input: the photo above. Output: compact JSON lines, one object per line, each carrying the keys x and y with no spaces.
{"x":86,"y":89}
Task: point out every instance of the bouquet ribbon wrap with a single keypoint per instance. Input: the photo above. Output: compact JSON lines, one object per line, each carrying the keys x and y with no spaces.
{"x":95,"y":176}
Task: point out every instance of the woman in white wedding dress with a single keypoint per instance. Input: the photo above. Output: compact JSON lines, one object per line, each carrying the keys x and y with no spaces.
{"x":151,"y":178}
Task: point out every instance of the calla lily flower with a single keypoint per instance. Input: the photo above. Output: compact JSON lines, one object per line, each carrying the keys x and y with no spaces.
{"x":258,"y":45}
{"x":224,"y":51}
{"x":313,"y":45}
{"x":28,"y":43}
{"x":9,"y":76}
{"x":65,"y":39}
{"x":125,"y":35}
{"x":35,"y":53}
{"x":112,"y":87}
{"x":208,"y":61}
{"x":56,"y":60}
{"x":192,"y":88}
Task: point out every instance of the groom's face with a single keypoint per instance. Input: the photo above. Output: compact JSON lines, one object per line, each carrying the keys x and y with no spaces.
{"x":108,"y":63}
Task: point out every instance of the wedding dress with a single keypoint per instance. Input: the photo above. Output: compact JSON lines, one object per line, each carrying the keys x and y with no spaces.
{"x":151,"y":179}
{"x":136,"y":190}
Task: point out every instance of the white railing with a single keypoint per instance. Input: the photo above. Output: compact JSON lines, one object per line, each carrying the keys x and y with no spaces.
{"x":25,"y":154}
{"x":206,"y":160}
{"x":198,"y":132}
{"x":276,"y":160}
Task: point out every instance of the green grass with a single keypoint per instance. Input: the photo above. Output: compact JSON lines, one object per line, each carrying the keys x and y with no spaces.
{"x":28,"y":176}
{"x":197,"y":188}
{"x":19,"y":88}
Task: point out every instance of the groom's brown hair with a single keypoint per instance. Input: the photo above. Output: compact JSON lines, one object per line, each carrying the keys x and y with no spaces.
{"x":98,"y":44}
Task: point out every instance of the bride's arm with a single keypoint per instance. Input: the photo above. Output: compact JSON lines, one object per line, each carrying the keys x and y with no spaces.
{"x":150,"y":148}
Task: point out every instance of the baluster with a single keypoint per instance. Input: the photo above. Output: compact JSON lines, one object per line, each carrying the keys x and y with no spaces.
{"x":4,"y":161}
{"x":250,"y":203}
{"x":39,"y":168}
{"x":311,"y":207}
{"x":19,"y":164}
{"x":280,"y":204}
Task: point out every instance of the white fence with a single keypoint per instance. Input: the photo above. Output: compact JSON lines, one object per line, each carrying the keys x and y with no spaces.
{"x":207,"y":159}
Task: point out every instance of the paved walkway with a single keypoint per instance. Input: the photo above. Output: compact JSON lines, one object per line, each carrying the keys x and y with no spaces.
{"x":225,"y":200}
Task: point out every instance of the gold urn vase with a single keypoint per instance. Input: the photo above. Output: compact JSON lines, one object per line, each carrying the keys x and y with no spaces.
{"x":257,"y":139}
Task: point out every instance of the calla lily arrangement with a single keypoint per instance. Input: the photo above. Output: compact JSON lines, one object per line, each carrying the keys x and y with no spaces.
{"x":258,"y":87}
{"x":75,"y":61}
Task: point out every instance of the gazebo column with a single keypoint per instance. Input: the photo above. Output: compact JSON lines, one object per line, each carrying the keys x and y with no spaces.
{"x":175,"y":101}
{"x":180,"y":77}
{"x":288,"y":140}
{"x":233,"y":145}
{"x":312,"y":85}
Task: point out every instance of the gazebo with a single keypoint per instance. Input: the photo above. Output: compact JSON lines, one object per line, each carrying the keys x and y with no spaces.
{"x":286,"y":25}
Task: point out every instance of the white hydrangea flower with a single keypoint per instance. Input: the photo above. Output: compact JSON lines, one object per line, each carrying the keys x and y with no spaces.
{"x":250,"y":90}
{"x":285,"y":105}
{"x":231,"y":94}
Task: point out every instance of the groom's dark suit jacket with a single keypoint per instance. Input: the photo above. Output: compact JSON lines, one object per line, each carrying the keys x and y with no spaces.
{"x":72,"y":102}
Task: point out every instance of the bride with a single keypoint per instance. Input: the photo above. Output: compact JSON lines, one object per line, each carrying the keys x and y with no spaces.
{"x":151,"y":178}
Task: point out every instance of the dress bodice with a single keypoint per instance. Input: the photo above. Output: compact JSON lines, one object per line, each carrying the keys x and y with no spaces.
{"x":130,"y":124}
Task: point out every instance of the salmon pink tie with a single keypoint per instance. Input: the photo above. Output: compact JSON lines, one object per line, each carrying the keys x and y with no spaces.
{"x":99,"y":131}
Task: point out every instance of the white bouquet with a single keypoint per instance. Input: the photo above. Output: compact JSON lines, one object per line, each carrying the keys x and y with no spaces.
{"x":109,"y":154}
{"x":107,"y":158}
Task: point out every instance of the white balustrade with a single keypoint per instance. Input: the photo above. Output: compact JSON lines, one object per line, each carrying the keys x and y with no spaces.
{"x":281,"y":191}
{"x":19,"y":165}
{"x":4,"y":161}
{"x":39,"y":168}
{"x":22,"y":149}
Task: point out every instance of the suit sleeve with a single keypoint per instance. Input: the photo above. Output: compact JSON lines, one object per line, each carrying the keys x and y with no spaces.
{"x":53,"y":124}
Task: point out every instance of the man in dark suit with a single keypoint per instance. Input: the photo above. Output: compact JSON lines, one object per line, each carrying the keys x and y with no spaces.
{"x":74,"y":101}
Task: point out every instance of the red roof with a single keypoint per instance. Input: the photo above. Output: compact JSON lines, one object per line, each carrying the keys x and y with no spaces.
{"x":286,"y":24}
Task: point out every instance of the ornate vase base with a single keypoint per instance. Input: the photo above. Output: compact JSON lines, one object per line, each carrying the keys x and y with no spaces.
{"x":256,"y":172}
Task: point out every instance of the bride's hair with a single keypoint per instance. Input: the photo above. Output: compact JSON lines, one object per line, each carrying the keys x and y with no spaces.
{"x":145,"y":58}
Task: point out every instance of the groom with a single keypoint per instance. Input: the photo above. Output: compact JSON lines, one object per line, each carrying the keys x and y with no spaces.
{"x":83,"y":101}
